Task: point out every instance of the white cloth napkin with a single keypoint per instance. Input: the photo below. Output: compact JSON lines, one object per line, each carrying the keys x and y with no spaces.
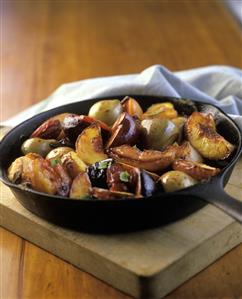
{"x":219,"y":85}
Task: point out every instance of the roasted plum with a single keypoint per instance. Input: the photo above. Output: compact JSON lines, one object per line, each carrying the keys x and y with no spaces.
{"x":126,"y":130}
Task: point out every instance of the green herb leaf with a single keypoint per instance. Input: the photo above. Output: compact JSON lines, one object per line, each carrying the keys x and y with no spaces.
{"x":124,"y":176}
{"x":103,"y":164}
{"x":54,"y":162}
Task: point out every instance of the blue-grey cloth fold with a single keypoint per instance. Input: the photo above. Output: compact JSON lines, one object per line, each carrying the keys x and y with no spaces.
{"x":219,"y":85}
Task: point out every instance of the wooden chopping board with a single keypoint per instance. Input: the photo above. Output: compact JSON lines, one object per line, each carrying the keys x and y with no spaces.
{"x":145,"y":264}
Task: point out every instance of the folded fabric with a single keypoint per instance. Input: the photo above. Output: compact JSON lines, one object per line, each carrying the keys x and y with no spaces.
{"x":218,"y":85}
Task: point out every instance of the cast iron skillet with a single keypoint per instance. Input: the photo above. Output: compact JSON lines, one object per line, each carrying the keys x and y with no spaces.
{"x":124,"y":214}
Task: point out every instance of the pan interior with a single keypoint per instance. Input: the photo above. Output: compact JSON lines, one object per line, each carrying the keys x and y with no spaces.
{"x":11,"y":143}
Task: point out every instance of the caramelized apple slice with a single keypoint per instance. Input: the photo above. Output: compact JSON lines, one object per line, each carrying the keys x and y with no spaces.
{"x":21,"y":169}
{"x":66,"y":181}
{"x":81,"y":186}
{"x":44,"y":178}
{"x":132,"y":107}
{"x":187,"y":152}
{"x":201,"y":132}
{"x":57,"y":153}
{"x":73,"y":164}
{"x":74,"y":124}
{"x":89,"y":145}
{"x":198,"y":171}
{"x":15,"y":170}
{"x":149,"y":160}
{"x":105,"y":194}
{"x":160,"y":110}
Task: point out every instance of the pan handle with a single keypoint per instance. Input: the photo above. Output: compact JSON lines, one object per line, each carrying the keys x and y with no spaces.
{"x":214,"y":193}
{"x":227,"y":203}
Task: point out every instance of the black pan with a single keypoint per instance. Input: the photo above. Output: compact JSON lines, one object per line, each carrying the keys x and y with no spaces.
{"x":125,"y":214}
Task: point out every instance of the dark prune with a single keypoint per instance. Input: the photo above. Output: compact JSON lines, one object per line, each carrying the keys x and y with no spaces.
{"x":98,"y":173}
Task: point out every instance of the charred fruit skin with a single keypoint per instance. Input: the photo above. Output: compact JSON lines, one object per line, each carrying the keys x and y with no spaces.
{"x":89,"y":145}
{"x":81,"y":187}
{"x":126,"y":130}
{"x":201,"y":132}
{"x":198,"y":171}
{"x":149,"y":159}
{"x":50,"y":129}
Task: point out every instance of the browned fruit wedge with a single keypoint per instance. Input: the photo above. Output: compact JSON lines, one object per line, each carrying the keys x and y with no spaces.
{"x":198,"y":171}
{"x":57,"y":153}
{"x":132,"y":107}
{"x":66,"y":180}
{"x":81,"y":186}
{"x":21,"y":169}
{"x":187,"y":152}
{"x":73,"y":164}
{"x":105,"y":194}
{"x":149,"y":160}
{"x":44,"y":178}
{"x":89,"y":145}
{"x":201,"y":132}
{"x":124,"y":178}
{"x":160,"y":110}
{"x":74,"y":124}
{"x":16,"y":169}
{"x":50,"y":129}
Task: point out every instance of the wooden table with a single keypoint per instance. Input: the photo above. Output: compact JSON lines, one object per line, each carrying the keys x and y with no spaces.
{"x":47,"y":43}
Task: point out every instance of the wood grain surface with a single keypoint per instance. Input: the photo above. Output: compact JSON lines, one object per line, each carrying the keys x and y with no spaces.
{"x":47,"y":43}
